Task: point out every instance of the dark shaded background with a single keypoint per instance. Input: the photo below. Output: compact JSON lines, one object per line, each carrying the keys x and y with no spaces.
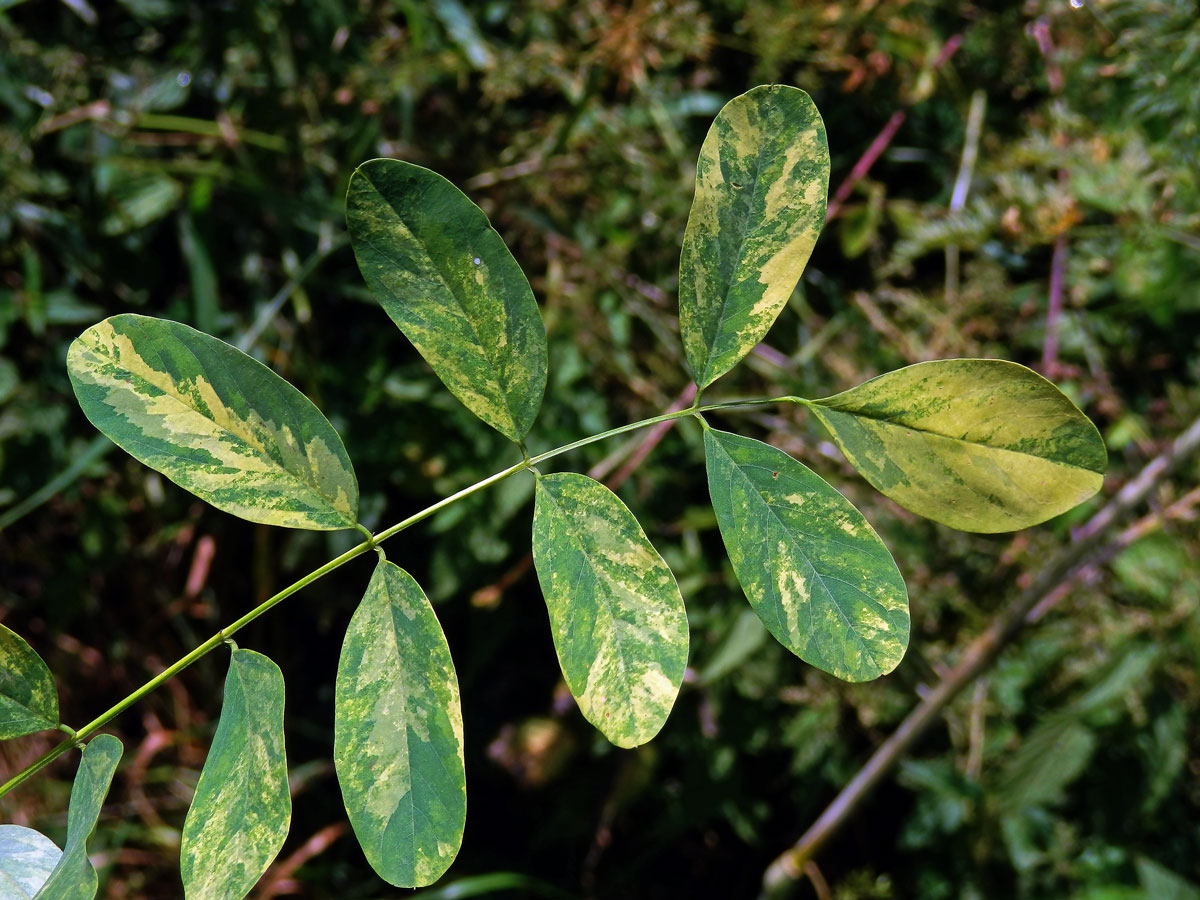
{"x":188,"y":159}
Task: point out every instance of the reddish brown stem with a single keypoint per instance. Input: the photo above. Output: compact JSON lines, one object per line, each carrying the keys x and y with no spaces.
{"x":1087,"y":543}
{"x":653,"y":436}
{"x":882,"y":140}
{"x":1058,"y":265}
{"x":490,"y":595}
{"x":863,"y":166}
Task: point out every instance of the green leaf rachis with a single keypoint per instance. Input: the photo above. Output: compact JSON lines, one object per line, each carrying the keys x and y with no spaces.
{"x":980,"y":445}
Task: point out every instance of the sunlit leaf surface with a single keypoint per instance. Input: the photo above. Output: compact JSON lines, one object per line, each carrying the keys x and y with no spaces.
{"x":978,"y":444}
{"x":28,"y":696}
{"x":398,"y":744}
{"x":812,"y":567}
{"x":73,"y":877}
{"x":240,"y":814}
{"x":616,"y":613}
{"x":443,"y":274}
{"x":214,"y":421}
{"x":27,"y":858}
{"x":761,"y":182}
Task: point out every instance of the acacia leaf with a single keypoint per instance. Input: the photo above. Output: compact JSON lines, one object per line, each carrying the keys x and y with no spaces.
{"x":977,"y":444}
{"x":443,"y":274}
{"x":619,"y":625}
{"x":73,"y":877}
{"x":27,"y":858}
{"x":812,"y":567}
{"x":397,"y":740}
{"x":242,"y":808}
{"x":214,"y":421}
{"x":28,"y":695}
{"x":761,"y":183}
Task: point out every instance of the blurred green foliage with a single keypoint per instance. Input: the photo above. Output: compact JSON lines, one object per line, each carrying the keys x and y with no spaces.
{"x":189,"y":159}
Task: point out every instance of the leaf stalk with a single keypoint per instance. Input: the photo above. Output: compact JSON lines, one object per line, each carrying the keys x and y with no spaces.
{"x":221,"y":637}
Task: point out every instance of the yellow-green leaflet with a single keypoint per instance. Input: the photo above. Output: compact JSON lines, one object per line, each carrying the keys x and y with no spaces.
{"x":616,"y":613}
{"x":397,"y":739}
{"x":27,"y":858}
{"x":28,"y":695}
{"x":761,"y":182}
{"x":812,"y":567}
{"x":214,"y":421}
{"x":73,"y":877}
{"x":432,"y":259}
{"x":977,"y":444}
{"x":242,"y":808}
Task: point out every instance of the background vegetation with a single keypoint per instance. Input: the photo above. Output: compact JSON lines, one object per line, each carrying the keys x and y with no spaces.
{"x":1036,"y":200}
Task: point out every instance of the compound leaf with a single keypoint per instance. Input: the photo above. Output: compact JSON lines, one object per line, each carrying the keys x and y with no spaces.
{"x":443,"y":274}
{"x":761,"y":182}
{"x":812,"y":567}
{"x":73,"y":877}
{"x":214,"y":421}
{"x":977,"y":444}
{"x":397,"y":741}
{"x":27,"y":858}
{"x":28,"y":696}
{"x":242,"y":808}
{"x":616,"y":613}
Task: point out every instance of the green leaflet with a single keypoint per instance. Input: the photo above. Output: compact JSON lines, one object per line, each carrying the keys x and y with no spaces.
{"x":1160,"y":883}
{"x":214,"y":421}
{"x":761,"y":182}
{"x":443,"y":274}
{"x":240,"y":814}
{"x":977,"y":444}
{"x":812,"y":567}
{"x":27,"y":858}
{"x":397,"y":740}
{"x":616,"y":614}
{"x":73,"y":877}
{"x":28,"y":696}
{"x":1050,"y":758}
{"x":740,"y":643}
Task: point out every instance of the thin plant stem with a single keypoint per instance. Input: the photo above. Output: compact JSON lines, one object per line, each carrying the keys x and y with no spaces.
{"x":222,"y":636}
{"x":1054,"y":305}
{"x":883,"y":139}
{"x":1058,"y":259}
{"x":97,"y":449}
{"x":665,"y":417}
{"x":178,"y":666}
{"x":632,"y":453}
{"x":962,"y":185}
{"x":651,"y":440}
{"x":272,"y":306}
{"x":1088,"y":543}
{"x":565,"y":448}
{"x":208,"y":128}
